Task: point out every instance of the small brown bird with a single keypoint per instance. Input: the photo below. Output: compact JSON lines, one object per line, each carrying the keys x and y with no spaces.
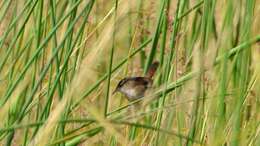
{"x":134,"y":87}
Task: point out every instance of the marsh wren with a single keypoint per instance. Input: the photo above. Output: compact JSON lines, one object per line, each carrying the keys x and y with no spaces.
{"x":134,"y":87}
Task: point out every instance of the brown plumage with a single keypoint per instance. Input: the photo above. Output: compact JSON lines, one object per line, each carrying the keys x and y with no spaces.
{"x":152,"y":69}
{"x":134,"y":87}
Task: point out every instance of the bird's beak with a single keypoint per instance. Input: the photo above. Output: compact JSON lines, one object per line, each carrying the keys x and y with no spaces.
{"x":114,"y":91}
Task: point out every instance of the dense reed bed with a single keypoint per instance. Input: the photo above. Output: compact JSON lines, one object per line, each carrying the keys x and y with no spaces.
{"x":60,"y":61}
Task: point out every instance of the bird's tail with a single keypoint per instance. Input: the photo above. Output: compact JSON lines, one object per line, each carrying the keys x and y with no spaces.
{"x":152,"y":69}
